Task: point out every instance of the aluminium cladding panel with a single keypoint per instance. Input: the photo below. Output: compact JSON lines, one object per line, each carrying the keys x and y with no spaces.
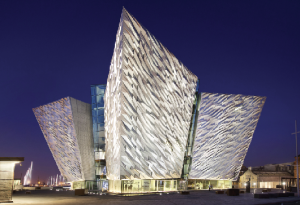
{"x":82,"y":117}
{"x":56,"y":122}
{"x":225,"y":128}
{"x":112,"y":109}
{"x":148,"y":106}
{"x":63,"y":133}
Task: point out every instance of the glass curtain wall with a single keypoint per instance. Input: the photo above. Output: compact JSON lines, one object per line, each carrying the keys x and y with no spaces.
{"x":99,"y":185}
{"x":97,"y":94}
{"x":143,"y":185}
{"x":191,"y":137}
{"x":204,"y":184}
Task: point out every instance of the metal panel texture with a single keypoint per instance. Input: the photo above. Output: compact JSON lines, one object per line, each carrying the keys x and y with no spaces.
{"x":82,"y":118}
{"x":148,"y":106}
{"x":225,"y":128}
{"x":67,"y":127}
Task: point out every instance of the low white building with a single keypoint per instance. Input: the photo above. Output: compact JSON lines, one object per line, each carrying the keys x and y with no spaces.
{"x":267,"y":176}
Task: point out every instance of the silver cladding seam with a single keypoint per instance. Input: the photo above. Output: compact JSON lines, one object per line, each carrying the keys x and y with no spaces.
{"x":148,"y":106}
{"x":225,"y":128}
{"x":59,"y":122}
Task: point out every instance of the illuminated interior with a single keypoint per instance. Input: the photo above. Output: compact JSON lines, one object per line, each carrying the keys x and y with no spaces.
{"x":142,"y":186}
{"x":204,"y":184}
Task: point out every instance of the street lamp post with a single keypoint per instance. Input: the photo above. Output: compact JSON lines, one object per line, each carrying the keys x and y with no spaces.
{"x":297,"y":157}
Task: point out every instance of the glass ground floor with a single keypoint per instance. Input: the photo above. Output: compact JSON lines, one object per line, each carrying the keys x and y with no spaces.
{"x":150,"y":185}
{"x":204,"y":184}
{"x":136,"y":186}
{"x":98,"y":185}
{"x":139,"y":186}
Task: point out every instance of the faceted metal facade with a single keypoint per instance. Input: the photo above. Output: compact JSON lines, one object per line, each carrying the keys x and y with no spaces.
{"x":225,"y":128}
{"x":148,"y":106}
{"x":67,"y":128}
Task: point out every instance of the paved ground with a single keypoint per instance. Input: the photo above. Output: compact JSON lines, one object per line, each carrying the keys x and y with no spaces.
{"x":196,"y":197}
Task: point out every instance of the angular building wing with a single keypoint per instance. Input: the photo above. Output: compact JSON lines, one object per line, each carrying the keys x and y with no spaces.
{"x":225,"y":128}
{"x":67,"y":128}
{"x":148,"y":106}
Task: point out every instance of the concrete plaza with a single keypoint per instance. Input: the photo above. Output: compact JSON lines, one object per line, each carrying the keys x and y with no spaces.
{"x":204,"y":197}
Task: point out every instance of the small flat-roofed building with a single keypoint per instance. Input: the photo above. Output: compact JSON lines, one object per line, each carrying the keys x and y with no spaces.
{"x":267,"y":176}
{"x":7,"y":169}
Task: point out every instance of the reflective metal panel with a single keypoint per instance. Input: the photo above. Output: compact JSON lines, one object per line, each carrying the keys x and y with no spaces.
{"x":225,"y":128}
{"x":67,"y":128}
{"x":148,"y":106}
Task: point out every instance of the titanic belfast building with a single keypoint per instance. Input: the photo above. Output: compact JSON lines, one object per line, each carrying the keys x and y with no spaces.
{"x":149,"y":128}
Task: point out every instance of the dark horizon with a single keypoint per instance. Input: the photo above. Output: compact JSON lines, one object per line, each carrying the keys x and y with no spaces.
{"x":54,"y":49}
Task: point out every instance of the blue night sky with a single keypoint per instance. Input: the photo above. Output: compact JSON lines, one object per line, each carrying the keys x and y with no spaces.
{"x":53,"y":49}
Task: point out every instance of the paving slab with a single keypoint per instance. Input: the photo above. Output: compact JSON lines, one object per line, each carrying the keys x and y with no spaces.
{"x":201,"y":197}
